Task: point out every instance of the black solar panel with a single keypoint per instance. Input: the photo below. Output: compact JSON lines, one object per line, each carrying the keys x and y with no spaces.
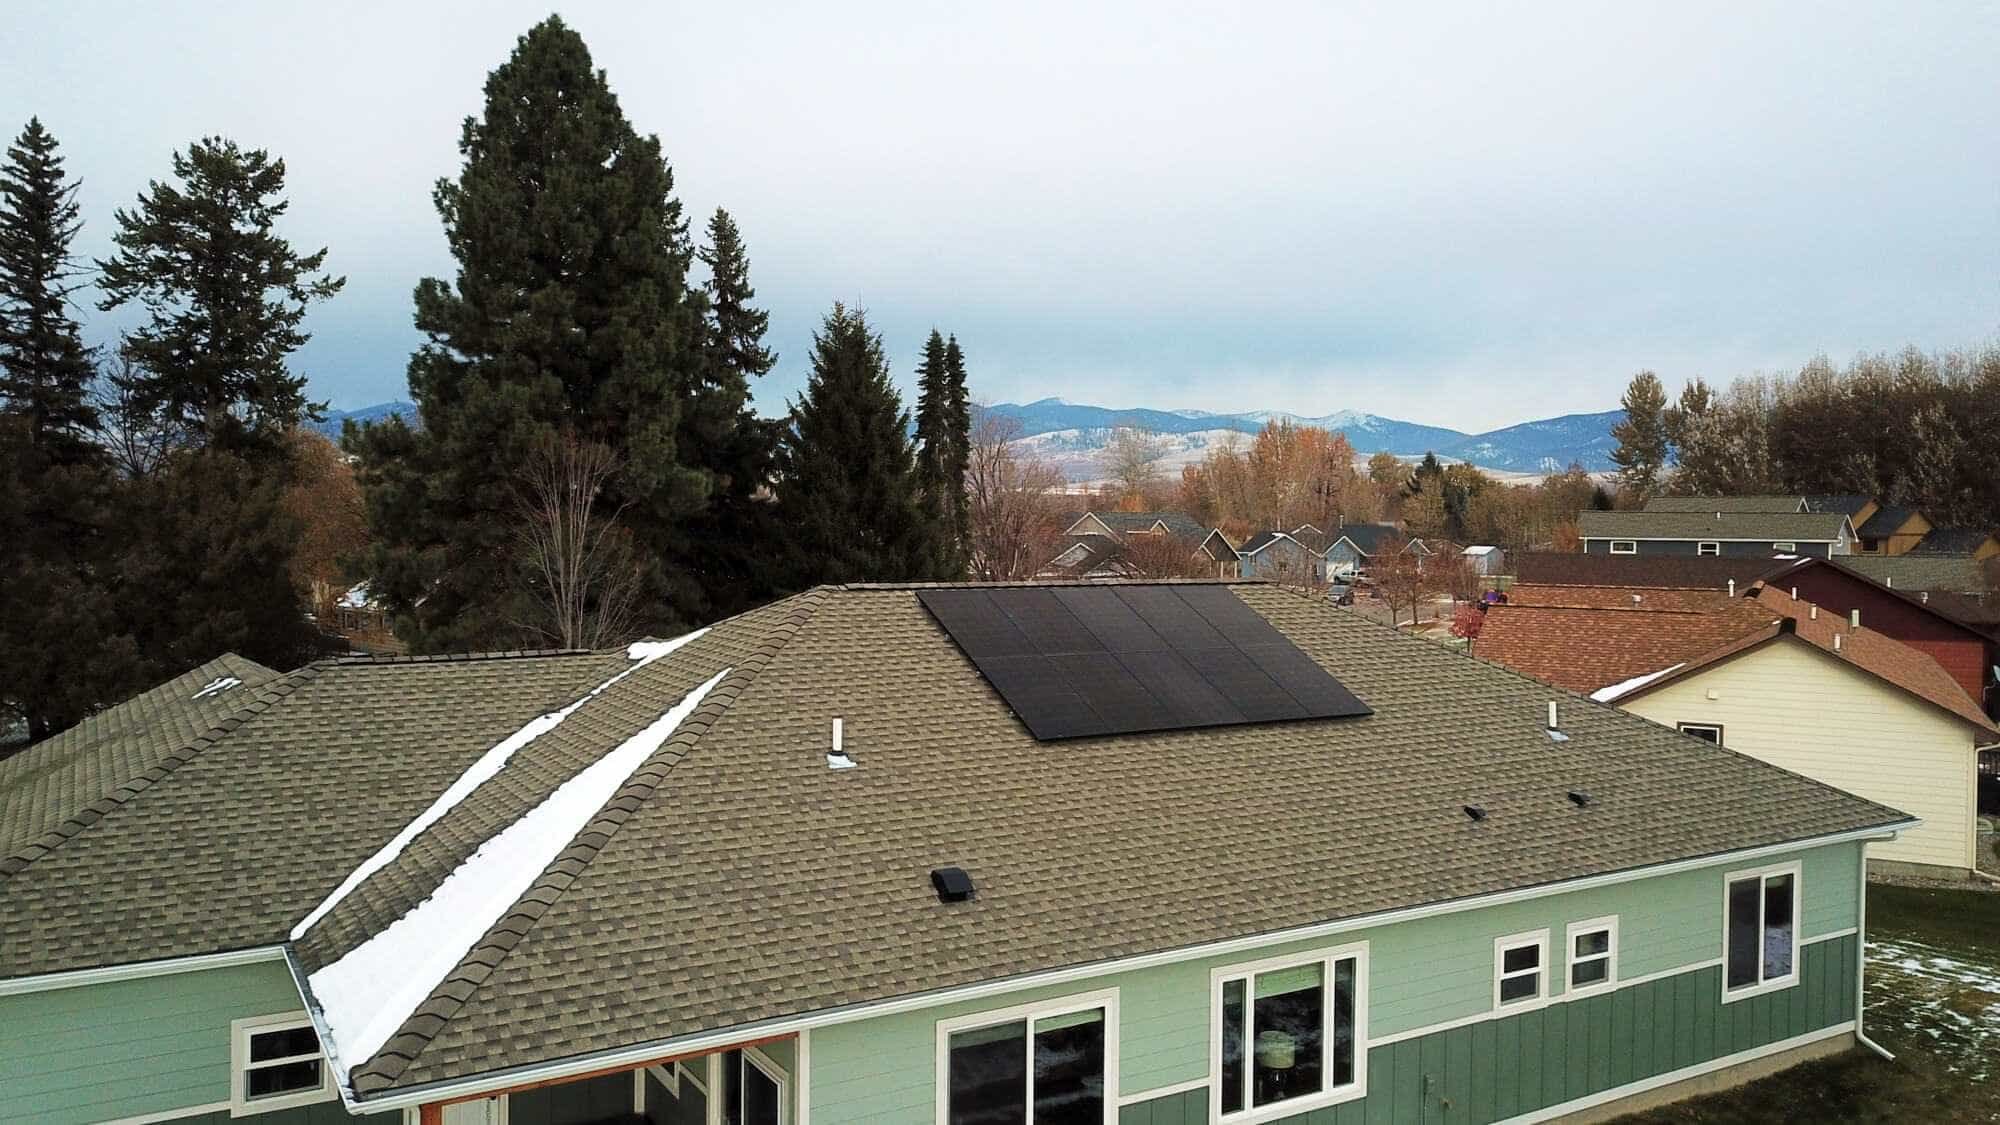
{"x":1076,"y":661}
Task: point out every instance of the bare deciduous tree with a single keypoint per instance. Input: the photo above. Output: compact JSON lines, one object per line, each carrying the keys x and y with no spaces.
{"x":1401,"y":579}
{"x":1164,"y":555}
{"x":577,"y":562}
{"x":137,"y":438}
{"x":1133,"y":460}
{"x":1016,"y":522}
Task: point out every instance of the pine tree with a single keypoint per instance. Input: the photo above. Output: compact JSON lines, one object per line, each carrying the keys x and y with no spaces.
{"x":45,"y":370}
{"x":847,"y":487}
{"x":225,"y":296}
{"x":1641,"y":455}
{"x":571,"y":313}
{"x":935,"y":455}
{"x":958,"y":461}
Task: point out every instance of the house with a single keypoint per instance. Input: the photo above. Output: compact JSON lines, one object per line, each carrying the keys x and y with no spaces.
{"x":1715,"y":532}
{"x":1570,"y":568}
{"x":1485,"y":561}
{"x":1891,"y":530}
{"x":1355,"y":545}
{"x":1200,"y":851}
{"x":1282,"y":556}
{"x":1144,"y":553}
{"x":1775,"y":677}
{"x":1136,"y":523}
{"x":1975,"y":543}
{"x":1730,"y":504}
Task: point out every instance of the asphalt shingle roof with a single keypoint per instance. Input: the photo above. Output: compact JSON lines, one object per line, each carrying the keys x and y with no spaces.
{"x":1369,"y":537}
{"x":1574,"y":568}
{"x":1959,"y":574}
{"x":1951,"y":541}
{"x":1584,"y":646}
{"x":736,"y":878}
{"x":1788,"y":527}
{"x":1714,"y":504}
{"x":1884,"y":521}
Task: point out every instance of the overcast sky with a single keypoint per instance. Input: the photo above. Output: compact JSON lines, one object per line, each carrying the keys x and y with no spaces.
{"x":1465,"y":217}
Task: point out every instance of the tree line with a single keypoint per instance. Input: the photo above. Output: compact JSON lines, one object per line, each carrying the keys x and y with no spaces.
{"x":585,"y":465}
{"x":1910,"y":428}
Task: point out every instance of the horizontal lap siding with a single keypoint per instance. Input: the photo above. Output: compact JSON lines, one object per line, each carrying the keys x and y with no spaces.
{"x":1806,"y":711}
{"x":130,"y":1048}
{"x":1422,"y":973}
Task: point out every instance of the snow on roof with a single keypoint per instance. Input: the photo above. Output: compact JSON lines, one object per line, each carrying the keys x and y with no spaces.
{"x":357,"y":597}
{"x":216,"y":686}
{"x":368,"y":993}
{"x":1478,"y":550}
{"x":641,"y":653}
{"x":1626,"y":687}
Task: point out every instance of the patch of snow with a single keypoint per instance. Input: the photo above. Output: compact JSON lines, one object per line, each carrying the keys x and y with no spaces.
{"x":217,"y":686}
{"x":367,"y":994}
{"x":1627,"y":687}
{"x":835,"y":760}
{"x":641,"y":653}
{"x":356,"y":597}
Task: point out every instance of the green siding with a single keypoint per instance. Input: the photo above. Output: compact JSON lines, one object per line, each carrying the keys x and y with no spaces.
{"x":1190,"y":1107}
{"x":136,"y":1047}
{"x":1422,"y":973}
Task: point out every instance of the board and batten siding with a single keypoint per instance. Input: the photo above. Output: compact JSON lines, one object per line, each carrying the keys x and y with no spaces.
{"x":138,"y":1047}
{"x":1422,"y":974}
{"x":1807,"y":711}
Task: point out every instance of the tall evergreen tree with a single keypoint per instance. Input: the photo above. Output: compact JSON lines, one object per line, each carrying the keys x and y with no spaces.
{"x":571,"y":313}
{"x":958,"y":458}
{"x":45,"y":370}
{"x":224,"y":294}
{"x":934,"y":454}
{"x":847,"y":485}
{"x":1641,"y":455}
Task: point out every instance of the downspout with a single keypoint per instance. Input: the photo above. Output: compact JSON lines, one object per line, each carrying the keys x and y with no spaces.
{"x":1976,"y":872}
{"x":1861,"y":961}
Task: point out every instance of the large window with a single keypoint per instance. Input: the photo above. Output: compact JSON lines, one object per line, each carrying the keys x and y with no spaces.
{"x":1521,"y":970}
{"x":1288,"y":1035}
{"x":1044,"y":1064}
{"x":751,"y":1088}
{"x":1592,"y":951}
{"x":1760,"y":931}
{"x":275,"y":1063}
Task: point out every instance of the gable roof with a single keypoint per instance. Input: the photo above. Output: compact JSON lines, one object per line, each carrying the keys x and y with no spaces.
{"x":44,"y":783}
{"x":1767,"y":527}
{"x":1886,"y":521}
{"x":1951,"y":541}
{"x":1574,"y":568}
{"x":1886,"y":659}
{"x":1847,"y":504}
{"x":1126,"y":523}
{"x":1264,"y":539}
{"x":1368,"y":537}
{"x":1959,"y":574}
{"x":1916,"y":599}
{"x":1714,"y":504}
{"x":1217,"y":546}
{"x":733,"y":878}
{"x":1587,"y":646}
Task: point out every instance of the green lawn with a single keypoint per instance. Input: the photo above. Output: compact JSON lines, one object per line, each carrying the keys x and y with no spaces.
{"x":1933,"y":998}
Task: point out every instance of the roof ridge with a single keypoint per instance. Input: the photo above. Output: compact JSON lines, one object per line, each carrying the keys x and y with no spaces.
{"x":74,"y":824}
{"x":452,"y":993}
{"x":365,"y":658}
{"x":878,"y":586}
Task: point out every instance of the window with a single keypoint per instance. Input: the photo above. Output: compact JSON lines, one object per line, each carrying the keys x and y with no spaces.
{"x":1288,"y":1035}
{"x":1592,"y":949}
{"x":1624,"y":547}
{"x":275,"y":1062}
{"x":752,"y":1088}
{"x":1040,"y":1064}
{"x":1520,"y":979}
{"x":1707,"y":732}
{"x":1708,"y":547}
{"x":1760,"y":931}
{"x":1784,"y":546}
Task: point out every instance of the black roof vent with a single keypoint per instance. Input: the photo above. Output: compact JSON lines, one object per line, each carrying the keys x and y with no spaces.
{"x":952,"y":883}
{"x":1579,"y":798}
{"x":1475,"y":812}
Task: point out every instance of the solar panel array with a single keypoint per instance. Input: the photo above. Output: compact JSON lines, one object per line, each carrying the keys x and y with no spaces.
{"x":1076,"y":661}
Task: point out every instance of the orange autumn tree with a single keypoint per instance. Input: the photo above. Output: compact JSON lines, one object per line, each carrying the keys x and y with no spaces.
{"x":1288,"y":475}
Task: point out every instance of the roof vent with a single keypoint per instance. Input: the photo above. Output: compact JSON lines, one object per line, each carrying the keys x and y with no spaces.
{"x":1555,"y":728}
{"x":1579,"y":798}
{"x":1795,"y":593}
{"x":1925,"y":595}
{"x":952,"y":884}
{"x":1475,"y":812}
{"x":1854,"y":618}
{"x":838,"y":758}
{"x":1813,"y":612}
{"x":1836,"y":641}
{"x":1732,"y":587}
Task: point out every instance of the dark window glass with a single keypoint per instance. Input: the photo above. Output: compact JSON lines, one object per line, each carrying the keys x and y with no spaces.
{"x":1521,"y":957}
{"x":1743,"y":934}
{"x":1590,"y":972}
{"x":1706,"y":734}
{"x":290,"y":1043}
{"x":1343,"y":1022}
{"x":1069,"y":1069}
{"x":989,"y":1076}
{"x":1522,"y":987}
{"x":1777,"y":927}
{"x":760,"y":1097}
{"x":732,"y":1088}
{"x":1593,"y":943}
{"x":1288,"y":1014}
{"x":284,"y":1078}
{"x":1232,"y":1045}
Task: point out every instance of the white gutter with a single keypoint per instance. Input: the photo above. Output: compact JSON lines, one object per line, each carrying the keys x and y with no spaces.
{"x":136,"y":970}
{"x":651,"y":1050}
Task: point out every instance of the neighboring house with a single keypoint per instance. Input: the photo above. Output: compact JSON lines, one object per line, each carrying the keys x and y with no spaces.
{"x":835,"y":861}
{"x":1279,"y":555}
{"x":1355,"y":546}
{"x":1891,"y":530}
{"x":1731,"y":504}
{"x":1133,"y":554}
{"x":1971,"y":542}
{"x":1570,"y":568}
{"x":1855,"y":507}
{"x":1715,"y":532}
{"x":1136,"y":523}
{"x":1776,"y":678}
{"x":1217,"y":548}
{"x":1485,"y":561}
{"x":1087,"y":556}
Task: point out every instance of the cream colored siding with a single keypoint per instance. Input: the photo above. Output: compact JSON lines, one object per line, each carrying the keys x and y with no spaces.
{"x":1796,"y":707}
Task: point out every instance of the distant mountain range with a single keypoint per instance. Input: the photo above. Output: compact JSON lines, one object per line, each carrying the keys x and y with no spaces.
{"x":1543,"y":446}
{"x":376,"y":413}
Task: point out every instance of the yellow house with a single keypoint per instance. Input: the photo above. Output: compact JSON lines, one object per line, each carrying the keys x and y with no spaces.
{"x":1843,"y":705}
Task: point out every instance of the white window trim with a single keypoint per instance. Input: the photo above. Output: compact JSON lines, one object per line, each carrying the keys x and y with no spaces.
{"x":1501,"y":946}
{"x":1060,"y":1006}
{"x":1624,"y":546}
{"x":1690,"y":728}
{"x":1762,"y":874}
{"x":240,"y":1031}
{"x":755,"y":1057}
{"x":1784,"y":546}
{"x":1708,"y":548}
{"x":1247,"y":970}
{"x":668,"y":1075}
{"x":1609,"y":957}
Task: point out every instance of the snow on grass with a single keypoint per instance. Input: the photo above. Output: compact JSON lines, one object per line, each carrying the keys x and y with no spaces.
{"x":1626,"y":687}
{"x":1941,"y":999}
{"x":368,"y":993}
{"x":641,"y":653}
